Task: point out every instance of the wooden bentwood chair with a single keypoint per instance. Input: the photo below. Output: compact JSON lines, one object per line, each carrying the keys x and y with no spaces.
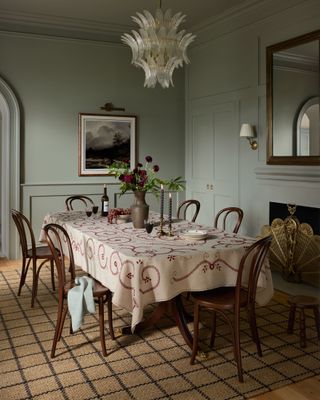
{"x":85,"y":200}
{"x":183,"y":207}
{"x":56,"y":234}
{"x":31,"y":253}
{"x":226,"y":214}
{"x":224,"y":299}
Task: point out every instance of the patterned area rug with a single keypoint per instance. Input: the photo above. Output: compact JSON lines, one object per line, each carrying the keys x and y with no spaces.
{"x":155,"y":365}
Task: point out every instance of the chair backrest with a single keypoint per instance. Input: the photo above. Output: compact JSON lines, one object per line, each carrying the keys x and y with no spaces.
{"x":225,"y":215}
{"x":61,"y":249}
{"x":251,"y":263}
{"x":78,"y":198}
{"x":183,"y":207}
{"x":25,"y":231}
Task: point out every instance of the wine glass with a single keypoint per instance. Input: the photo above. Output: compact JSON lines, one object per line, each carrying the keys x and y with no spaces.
{"x":149,"y":226}
{"x":95,"y":209}
{"x":88,"y":212}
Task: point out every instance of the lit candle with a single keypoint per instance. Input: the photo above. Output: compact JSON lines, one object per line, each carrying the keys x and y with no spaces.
{"x":161,"y":202}
{"x":170,"y":211}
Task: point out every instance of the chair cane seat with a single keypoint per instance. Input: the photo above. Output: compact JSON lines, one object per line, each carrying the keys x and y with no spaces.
{"x":41,"y":252}
{"x":222,"y":298}
{"x":98,"y":289}
{"x":305,"y":301}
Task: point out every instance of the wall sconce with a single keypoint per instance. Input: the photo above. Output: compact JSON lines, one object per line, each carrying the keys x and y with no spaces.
{"x":248,"y":132}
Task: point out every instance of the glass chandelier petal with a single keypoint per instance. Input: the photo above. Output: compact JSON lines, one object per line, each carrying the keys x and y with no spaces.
{"x":158,"y":48}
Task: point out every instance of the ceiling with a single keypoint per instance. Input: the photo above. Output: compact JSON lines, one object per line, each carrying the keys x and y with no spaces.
{"x":50,"y":16}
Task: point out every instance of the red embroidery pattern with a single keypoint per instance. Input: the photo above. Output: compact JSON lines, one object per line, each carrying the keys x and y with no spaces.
{"x":147,"y":279}
{"x":205,"y":264}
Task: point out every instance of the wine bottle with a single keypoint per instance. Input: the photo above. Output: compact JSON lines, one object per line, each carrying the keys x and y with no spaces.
{"x":104,"y":202}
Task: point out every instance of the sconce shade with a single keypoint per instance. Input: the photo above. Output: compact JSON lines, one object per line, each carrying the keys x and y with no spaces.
{"x":247,"y":131}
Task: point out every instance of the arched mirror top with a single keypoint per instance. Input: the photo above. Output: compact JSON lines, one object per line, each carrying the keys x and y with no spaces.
{"x":293,"y":89}
{"x":307,"y":141}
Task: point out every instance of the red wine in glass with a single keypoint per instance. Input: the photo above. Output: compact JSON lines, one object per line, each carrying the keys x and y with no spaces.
{"x":89,"y":213}
{"x":149,"y":227}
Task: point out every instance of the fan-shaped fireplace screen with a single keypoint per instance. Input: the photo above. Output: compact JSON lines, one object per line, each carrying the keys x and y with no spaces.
{"x":295,"y":250}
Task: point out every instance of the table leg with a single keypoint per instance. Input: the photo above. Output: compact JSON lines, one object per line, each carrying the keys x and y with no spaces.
{"x":155,"y":316}
{"x":175,"y":306}
{"x":182,"y":318}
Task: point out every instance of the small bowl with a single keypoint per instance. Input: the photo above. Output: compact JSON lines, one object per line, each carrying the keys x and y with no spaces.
{"x":124,"y":218}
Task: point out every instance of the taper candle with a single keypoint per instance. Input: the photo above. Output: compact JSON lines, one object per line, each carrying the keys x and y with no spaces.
{"x":170,"y":211}
{"x":161,"y":201}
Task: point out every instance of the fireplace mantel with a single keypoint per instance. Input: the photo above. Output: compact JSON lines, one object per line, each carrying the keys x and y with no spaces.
{"x":288,"y":173}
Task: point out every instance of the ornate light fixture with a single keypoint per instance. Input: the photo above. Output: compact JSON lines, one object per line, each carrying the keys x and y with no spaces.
{"x":158,"y":48}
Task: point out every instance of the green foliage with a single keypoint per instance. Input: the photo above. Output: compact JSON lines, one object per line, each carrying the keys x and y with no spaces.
{"x":143,"y":178}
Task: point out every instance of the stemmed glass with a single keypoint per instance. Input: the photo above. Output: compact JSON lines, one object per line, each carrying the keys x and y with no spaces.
{"x":95,"y":209}
{"x":88,"y":212}
{"x":149,"y":226}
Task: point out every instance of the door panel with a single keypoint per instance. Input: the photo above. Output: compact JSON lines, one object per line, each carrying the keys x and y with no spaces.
{"x":212,"y":157}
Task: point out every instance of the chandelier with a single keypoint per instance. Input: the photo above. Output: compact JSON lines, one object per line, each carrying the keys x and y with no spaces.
{"x":158,"y":48}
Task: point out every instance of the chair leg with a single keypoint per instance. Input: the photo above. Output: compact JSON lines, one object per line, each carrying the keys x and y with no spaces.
{"x":52,"y":275}
{"x":101,"y":324}
{"x":195,"y":333}
{"x":213,"y":328}
{"x":110,"y":320}
{"x":302,"y":328}
{"x":24,"y":271}
{"x":34,"y":282}
{"x":254,"y":329}
{"x":64,"y":313}
{"x":317,"y":319}
{"x":58,"y":328}
{"x":237,"y":348}
{"x":292,"y":314}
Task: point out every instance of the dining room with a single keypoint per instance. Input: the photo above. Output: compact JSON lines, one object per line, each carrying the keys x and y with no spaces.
{"x":70,"y":97}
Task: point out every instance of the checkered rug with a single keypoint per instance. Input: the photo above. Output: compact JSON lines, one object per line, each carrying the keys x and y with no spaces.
{"x":153,"y":365}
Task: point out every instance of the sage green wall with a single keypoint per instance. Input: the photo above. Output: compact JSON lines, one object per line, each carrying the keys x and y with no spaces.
{"x":228,"y":65}
{"x":55,"y":79}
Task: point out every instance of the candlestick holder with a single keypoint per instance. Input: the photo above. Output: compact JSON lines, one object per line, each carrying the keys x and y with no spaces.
{"x":161,"y":231}
{"x":170,"y":230}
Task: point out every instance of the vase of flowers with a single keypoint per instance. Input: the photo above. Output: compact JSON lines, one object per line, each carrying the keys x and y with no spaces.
{"x":139,"y":209}
{"x":141,"y":180}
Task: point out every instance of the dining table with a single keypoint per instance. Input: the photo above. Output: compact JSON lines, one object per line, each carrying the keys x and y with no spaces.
{"x":143,"y":268}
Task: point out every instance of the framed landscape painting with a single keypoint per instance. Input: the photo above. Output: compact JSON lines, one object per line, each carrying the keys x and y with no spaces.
{"x":104,"y":139}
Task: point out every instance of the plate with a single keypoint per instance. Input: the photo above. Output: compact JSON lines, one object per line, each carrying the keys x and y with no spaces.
{"x":195,"y":234}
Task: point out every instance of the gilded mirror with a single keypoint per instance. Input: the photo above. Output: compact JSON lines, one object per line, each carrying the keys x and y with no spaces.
{"x":293,"y":87}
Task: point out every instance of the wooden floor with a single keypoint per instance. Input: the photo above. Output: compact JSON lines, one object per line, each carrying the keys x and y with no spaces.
{"x":308,"y":389}
{"x":304,"y":390}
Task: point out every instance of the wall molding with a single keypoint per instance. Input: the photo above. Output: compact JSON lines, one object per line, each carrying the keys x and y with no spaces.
{"x":10,"y":167}
{"x":32,"y":184}
{"x":241,"y":17}
{"x":44,"y":24}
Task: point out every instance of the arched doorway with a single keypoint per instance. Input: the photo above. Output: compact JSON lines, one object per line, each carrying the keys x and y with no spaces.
{"x":10,"y":168}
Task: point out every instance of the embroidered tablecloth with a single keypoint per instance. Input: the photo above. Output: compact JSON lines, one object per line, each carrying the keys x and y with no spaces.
{"x":141,"y":268}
